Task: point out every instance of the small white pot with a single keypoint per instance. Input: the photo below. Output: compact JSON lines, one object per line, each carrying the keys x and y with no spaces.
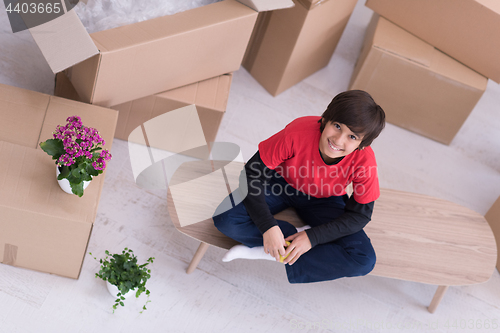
{"x":113,"y":290}
{"x":64,"y":183}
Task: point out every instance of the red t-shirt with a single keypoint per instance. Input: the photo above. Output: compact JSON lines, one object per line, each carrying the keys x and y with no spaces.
{"x":294,"y":153}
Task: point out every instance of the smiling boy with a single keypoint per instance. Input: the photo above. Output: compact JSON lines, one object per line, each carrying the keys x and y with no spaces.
{"x":308,"y":166}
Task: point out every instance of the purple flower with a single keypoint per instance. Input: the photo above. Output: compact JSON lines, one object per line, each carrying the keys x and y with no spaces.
{"x":79,"y":142}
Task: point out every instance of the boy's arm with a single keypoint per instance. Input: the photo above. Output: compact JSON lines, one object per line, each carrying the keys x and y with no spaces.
{"x":255,"y":202}
{"x":354,"y":219}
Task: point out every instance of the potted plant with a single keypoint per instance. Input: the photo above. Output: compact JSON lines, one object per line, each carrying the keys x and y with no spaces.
{"x":123,"y":275}
{"x":78,"y":154}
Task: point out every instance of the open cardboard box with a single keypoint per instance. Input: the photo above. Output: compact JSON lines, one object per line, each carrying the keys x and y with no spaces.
{"x":419,"y":87}
{"x":467,"y":30}
{"x":160,"y":54}
{"x":290,"y":44}
{"x":209,"y":96}
{"x":43,"y":228}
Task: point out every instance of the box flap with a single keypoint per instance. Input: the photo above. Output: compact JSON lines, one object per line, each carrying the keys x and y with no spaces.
{"x":21,"y":115}
{"x":266,"y":5}
{"x":28,"y":182}
{"x":64,"y":41}
{"x":398,"y":42}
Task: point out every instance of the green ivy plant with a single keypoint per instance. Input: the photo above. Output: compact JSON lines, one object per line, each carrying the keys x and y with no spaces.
{"x":122,"y":271}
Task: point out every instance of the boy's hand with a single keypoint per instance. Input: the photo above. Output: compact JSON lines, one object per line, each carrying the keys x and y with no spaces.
{"x":274,"y":242}
{"x":300,"y":245}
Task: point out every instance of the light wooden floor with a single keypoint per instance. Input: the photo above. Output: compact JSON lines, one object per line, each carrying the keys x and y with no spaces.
{"x":254,"y":296}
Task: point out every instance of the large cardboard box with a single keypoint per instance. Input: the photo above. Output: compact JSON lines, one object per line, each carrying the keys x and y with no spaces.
{"x":290,"y":44}
{"x":42,"y":227}
{"x":209,"y":96}
{"x":467,"y":30}
{"x":157,"y":55}
{"x":137,"y":60}
{"x":420,"y":88}
{"x":493,"y":218}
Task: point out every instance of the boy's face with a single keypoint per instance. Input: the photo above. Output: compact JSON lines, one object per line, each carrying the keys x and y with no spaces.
{"x":338,"y":140}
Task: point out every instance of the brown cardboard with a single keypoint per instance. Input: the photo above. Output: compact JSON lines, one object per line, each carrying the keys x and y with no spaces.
{"x":288,"y":45}
{"x":311,"y":3}
{"x":64,"y":41}
{"x":42,"y":227}
{"x":210,"y":97}
{"x":157,"y":55}
{"x":493,"y":218}
{"x":420,"y":88}
{"x":63,"y":88}
{"x":466,"y":30}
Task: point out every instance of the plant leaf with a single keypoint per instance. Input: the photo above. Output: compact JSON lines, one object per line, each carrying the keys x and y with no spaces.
{"x":77,"y":189}
{"x":53,"y":147}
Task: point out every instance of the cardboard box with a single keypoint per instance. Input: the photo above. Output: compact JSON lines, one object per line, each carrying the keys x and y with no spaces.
{"x":42,"y":227}
{"x":493,"y":218}
{"x":288,"y":45}
{"x":210,"y":97}
{"x":466,"y":30}
{"x":64,"y":41}
{"x":420,"y":88}
{"x":157,"y":55}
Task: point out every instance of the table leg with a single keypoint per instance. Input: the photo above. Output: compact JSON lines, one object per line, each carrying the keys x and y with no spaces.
{"x":197,"y":257}
{"x":438,"y":296}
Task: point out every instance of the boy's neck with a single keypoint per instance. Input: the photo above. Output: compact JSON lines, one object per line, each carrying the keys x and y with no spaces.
{"x":332,"y":161}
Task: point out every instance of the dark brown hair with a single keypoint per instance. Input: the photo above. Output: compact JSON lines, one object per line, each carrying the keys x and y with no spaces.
{"x":357,"y":110}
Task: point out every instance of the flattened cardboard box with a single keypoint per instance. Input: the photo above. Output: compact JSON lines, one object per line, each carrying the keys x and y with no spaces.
{"x":467,"y":30}
{"x":493,"y":218}
{"x":42,"y":227}
{"x":288,"y":45}
{"x":210,"y":97}
{"x":420,"y":88}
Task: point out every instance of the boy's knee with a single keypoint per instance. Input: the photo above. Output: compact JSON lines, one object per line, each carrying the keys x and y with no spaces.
{"x":362,"y":263}
{"x":220,"y":221}
{"x":368,"y":266}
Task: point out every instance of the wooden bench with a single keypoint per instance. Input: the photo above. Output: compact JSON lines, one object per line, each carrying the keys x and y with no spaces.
{"x":416,"y":238}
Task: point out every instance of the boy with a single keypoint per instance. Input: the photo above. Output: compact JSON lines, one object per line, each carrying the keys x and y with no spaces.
{"x":307,"y":166}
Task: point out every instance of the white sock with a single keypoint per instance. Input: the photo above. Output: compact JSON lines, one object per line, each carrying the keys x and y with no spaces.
{"x":303,"y":228}
{"x":245,"y":252}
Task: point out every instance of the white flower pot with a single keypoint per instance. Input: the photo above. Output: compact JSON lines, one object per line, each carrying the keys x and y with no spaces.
{"x":113,"y":290}
{"x":64,"y":183}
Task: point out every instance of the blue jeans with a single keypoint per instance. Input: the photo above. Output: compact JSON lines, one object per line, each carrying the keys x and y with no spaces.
{"x":347,"y":256}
